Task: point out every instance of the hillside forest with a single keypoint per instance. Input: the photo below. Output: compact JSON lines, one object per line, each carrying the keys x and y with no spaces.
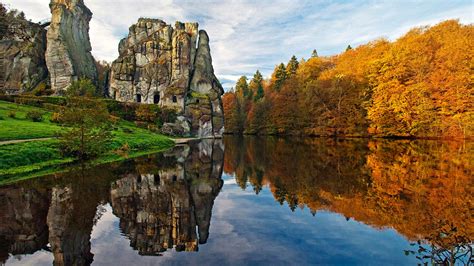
{"x":420,"y":85}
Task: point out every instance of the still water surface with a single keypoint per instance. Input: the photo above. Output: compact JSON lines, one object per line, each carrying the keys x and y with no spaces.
{"x":251,"y":201}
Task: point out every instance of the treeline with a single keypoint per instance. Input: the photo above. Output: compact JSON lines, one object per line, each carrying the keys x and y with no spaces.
{"x":420,"y":85}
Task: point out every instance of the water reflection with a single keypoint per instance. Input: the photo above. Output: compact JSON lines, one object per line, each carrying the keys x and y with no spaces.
{"x":422,"y":189}
{"x":160,"y":201}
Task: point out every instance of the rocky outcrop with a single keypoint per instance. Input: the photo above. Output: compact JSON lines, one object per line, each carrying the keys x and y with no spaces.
{"x":204,"y":107}
{"x":169,"y":66}
{"x":22,"y":62}
{"x":68,"y":53}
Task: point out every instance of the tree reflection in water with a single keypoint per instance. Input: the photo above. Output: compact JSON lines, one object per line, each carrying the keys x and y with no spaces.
{"x":160,"y":200}
{"x":414,"y":187}
{"x":422,"y":189}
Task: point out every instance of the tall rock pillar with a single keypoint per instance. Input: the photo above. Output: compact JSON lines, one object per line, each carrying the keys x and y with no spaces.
{"x":204,"y":107}
{"x":68,"y":53}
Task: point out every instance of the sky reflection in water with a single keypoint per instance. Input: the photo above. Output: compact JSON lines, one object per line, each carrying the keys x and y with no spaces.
{"x":341,"y":203}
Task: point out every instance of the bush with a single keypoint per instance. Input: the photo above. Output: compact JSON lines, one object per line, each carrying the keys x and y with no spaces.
{"x":35,"y":116}
{"x":42,"y":89}
{"x":167,"y":115}
{"x":12,"y":114}
{"x":1,"y":117}
{"x":82,"y":87}
{"x":29,"y":100}
{"x":55,"y":118}
{"x":147,"y":113}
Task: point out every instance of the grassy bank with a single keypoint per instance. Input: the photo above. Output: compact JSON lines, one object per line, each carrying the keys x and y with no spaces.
{"x":28,"y":159}
{"x":19,"y":127}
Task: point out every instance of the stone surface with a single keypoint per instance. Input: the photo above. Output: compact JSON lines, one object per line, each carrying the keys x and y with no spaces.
{"x":169,"y":66}
{"x":68,"y":53}
{"x":179,"y":128}
{"x":22,"y":62}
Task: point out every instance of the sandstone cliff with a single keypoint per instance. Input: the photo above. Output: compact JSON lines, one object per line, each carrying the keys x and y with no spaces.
{"x":169,"y":66}
{"x":68,"y":53}
{"x":22,"y":48}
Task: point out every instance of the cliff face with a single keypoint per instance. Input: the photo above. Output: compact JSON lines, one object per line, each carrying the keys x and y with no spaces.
{"x":22,"y":63}
{"x":168,"y":66}
{"x":68,"y":54}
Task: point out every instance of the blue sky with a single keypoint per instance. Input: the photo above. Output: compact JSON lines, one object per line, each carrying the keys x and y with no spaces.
{"x":249,"y":34}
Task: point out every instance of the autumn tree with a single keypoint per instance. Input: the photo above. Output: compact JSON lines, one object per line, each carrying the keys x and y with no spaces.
{"x":417,"y":86}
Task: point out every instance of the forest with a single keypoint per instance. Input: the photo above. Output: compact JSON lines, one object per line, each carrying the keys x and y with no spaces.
{"x":420,"y":85}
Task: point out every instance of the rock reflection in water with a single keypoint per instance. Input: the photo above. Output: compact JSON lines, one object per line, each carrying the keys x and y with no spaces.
{"x":162,"y":201}
{"x":161,"y":210}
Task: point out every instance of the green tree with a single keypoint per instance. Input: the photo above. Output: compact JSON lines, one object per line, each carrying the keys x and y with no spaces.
{"x":314,"y":54}
{"x":87,"y":130}
{"x":82,"y":88}
{"x":256,"y":85}
{"x":279,"y":76}
{"x":349,"y":47}
{"x":292,"y":66}
{"x":242,"y":87}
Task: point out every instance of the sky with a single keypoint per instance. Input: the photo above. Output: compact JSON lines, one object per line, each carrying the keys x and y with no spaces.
{"x":258,"y":34}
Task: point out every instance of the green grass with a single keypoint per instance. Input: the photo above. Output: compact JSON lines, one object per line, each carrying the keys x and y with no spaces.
{"x":22,"y":128}
{"x":31,"y":159}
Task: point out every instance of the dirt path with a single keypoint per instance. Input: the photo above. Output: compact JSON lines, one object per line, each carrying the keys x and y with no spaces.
{"x":20,"y":141}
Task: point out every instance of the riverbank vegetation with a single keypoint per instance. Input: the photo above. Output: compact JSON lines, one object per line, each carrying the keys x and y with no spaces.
{"x":24,"y":158}
{"x":417,"y":86}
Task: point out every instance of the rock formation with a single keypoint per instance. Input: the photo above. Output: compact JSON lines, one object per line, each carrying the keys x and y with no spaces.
{"x":68,"y":53}
{"x":22,"y":62}
{"x":159,"y":64}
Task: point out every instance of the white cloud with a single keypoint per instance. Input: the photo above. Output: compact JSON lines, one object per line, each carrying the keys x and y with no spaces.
{"x":248,"y":35}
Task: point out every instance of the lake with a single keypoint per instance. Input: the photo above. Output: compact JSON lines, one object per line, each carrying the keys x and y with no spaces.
{"x":251,"y":201}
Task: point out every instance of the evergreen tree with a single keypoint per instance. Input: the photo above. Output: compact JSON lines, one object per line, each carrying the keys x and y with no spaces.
{"x":256,"y":85}
{"x":241,"y":87}
{"x":279,"y":76}
{"x":349,"y":47}
{"x":314,"y":54}
{"x":292,"y":66}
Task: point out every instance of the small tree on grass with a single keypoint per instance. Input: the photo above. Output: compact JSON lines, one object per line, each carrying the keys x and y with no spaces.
{"x":87,"y":129}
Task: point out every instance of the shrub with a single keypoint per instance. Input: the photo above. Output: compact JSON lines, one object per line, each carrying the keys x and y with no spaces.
{"x":12,"y":114}
{"x":29,"y":100}
{"x":1,"y":117}
{"x":147,"y":113}
{"x":42,"y":89}
{"x":167,"y":115}
{"x":35,"y":116}
{"x":53,"y":107}
{"x":114,"y":119}
{"x":82,"y":87}
{"x":55,"y":118}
